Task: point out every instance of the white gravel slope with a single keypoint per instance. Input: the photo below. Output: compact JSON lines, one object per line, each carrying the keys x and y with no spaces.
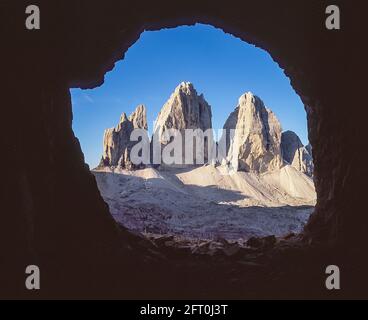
{"x":205,"y":202}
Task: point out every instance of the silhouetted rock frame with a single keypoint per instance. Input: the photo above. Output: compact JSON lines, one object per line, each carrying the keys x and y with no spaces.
{"x":53,"y":214}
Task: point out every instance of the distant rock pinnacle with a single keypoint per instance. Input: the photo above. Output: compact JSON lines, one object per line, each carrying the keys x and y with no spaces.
{"x":295,"y":153}
{"x":116,"y":142}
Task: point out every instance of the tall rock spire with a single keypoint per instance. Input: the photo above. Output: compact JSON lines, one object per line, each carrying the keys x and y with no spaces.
{"x":139,"y":118}
{"x":255,"y":146}
{"x":116,"y":142}
{"x":295,"y":154}
{"x":185,"y":109}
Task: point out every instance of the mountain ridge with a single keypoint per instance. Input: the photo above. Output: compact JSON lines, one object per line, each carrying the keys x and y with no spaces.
{"x":258,"y":145}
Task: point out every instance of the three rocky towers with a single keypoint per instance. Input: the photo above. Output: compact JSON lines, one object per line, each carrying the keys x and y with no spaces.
{"x":258,"y":145}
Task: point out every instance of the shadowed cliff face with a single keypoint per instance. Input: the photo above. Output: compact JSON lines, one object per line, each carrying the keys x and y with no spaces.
{"x":53,"y":215}
{"x":295,"y":153}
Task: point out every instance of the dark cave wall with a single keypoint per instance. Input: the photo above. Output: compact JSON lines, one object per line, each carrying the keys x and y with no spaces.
{"x":56,"y":218}
{"x":54,"y":213}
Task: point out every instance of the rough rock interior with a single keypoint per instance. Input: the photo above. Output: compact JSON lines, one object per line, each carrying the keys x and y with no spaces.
{"x":53,"y":214}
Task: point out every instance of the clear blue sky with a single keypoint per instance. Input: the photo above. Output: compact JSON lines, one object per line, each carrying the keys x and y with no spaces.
{"x":219,"y":65}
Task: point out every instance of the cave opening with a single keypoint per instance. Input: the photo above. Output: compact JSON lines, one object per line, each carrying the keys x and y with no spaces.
{"x":57,"y":214}
{"x":189,"y":78}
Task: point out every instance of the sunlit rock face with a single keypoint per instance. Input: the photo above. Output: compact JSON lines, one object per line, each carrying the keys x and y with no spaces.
{"x":294,"y":153}
{"x":185,"y":109}
{"x":255,"y":144}
{"x":139,"y":118}
{"x":117,"y":143}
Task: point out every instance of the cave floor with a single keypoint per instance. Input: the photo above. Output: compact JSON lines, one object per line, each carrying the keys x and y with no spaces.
{"x":269,"y":269}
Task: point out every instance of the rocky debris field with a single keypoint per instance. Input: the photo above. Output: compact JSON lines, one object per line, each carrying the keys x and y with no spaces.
{"x":203,"y":204}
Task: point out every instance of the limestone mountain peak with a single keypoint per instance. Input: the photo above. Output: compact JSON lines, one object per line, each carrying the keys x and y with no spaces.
{"x":116,"y":142}
{"x":123,"y":117}
{"x":256,"y":144}
{"x":139,"y":117}
{"x":295,"y":153}
{"x":185,"y":109}
{"x":185,"y":86}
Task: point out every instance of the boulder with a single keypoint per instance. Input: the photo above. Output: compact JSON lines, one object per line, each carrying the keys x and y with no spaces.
{"x":262,"y":243}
